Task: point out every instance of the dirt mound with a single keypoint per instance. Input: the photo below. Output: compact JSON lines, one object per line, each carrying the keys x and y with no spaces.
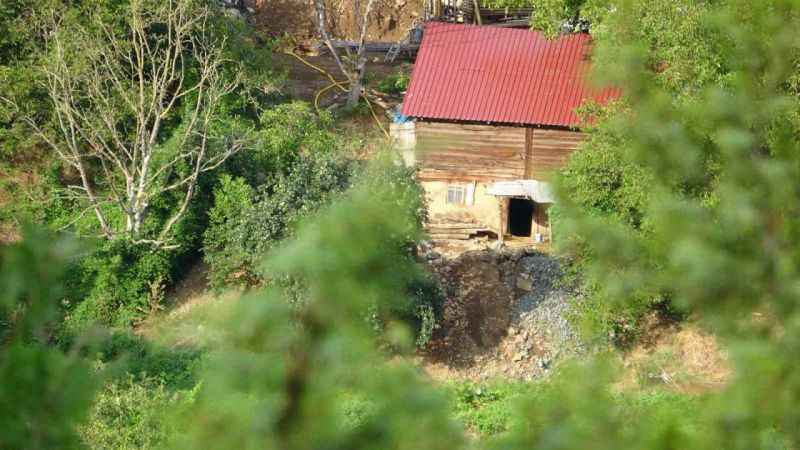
{"x":505,"y":315}
{"x":480,"y":300}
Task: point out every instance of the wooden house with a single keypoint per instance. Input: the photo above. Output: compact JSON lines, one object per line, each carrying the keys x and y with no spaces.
{"x":492,"y":114}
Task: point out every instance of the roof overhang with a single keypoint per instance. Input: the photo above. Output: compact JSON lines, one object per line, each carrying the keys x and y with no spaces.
{"x":538,"y":191}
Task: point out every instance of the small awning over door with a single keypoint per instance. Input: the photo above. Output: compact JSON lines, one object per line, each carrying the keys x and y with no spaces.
{"x":538,"y":191}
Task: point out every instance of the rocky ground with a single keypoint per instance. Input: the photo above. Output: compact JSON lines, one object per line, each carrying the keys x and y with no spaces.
{"x":506,"y":315}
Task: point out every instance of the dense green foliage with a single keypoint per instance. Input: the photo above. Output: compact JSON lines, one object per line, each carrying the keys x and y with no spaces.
{"x":45,"y":392}
{"x":297,"y":164}
{"x":130,"y":415}
{"x":508,"y":3}
{"x":683,"y":52}
{"x":686,"y":195}
{"x":395,"y":83}
{"x":246,"y":222}
{"x":557,"y":16}
{"x":121,"y":281}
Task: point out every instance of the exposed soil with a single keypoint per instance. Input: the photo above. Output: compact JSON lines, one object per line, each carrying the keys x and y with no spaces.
{"x":505,"y":316}
{"x":389,"y":21}
{"x":193,"y":286}
{"x":303,"y":82}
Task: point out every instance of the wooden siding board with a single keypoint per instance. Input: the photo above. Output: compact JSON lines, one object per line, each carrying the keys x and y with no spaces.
{"x":448,"y":151}
{"x":551,"y":150}
{"x":462,"y":152}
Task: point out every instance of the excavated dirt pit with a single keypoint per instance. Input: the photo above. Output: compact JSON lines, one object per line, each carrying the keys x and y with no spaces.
{"x":505,"y":315}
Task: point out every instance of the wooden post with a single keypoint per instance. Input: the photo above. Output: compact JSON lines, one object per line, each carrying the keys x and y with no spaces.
{"x":528,"y":153}
{"x":477,"y":12}
{"x":503,"y":218}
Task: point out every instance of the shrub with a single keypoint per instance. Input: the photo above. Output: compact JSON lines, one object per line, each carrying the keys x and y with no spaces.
{"x":117,"y":285}
{"x":487,"y":408}
{"x":223,"y":240}
{"x":127,"y":356}
{"x":310,"y":183}
{"x":132,"y":414}
{"x":600,"y":179}
{"x":285,"y":133}
{"x":246,"y":224}
{"x":423,"y":309}
{"x":395,"y":83}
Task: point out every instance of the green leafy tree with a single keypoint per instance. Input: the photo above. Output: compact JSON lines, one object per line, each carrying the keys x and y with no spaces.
{"x":297,"y":162}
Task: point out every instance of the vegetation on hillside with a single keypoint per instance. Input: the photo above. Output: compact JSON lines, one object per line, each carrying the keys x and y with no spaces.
{"x":684,"y":199}
{"x":684,"y":69}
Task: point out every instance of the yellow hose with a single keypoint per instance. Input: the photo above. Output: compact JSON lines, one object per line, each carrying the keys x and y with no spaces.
{"x":375,"y":116}
{"x":340,"y":85}
{"x":320,"y":70}
{"x":319,"y":94}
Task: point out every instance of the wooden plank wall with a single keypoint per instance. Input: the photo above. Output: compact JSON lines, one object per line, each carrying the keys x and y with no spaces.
{"x":461,"y":152}
{"x":550,"y":150}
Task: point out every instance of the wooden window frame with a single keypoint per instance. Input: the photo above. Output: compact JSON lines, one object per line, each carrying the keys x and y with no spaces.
{"x":456,"y":195}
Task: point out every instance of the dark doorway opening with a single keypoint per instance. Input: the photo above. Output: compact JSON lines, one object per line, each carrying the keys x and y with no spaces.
{"x":520,"y":217}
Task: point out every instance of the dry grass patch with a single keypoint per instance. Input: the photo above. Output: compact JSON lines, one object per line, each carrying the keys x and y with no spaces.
{"x":680,"y":356}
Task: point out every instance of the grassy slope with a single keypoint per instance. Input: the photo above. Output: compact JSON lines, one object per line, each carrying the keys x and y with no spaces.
{"x":158,"y":375}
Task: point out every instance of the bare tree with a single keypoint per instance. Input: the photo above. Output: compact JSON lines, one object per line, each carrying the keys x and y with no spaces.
{"x":112,"y":94}
{"x":354,"y":66}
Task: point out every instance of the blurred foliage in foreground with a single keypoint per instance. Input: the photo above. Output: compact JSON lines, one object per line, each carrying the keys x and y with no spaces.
{"x":701,"y":77}
{"x":312,"y":377}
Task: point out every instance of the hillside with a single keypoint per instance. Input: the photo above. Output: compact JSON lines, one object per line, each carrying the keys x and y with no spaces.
{"x":576,"y":232}
{"x":390,"y":20}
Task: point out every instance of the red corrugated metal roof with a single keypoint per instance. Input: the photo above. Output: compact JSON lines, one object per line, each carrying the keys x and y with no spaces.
{"x":490,"y":74}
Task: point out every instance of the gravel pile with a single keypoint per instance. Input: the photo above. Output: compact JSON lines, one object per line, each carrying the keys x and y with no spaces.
{"x":541,"y":332}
